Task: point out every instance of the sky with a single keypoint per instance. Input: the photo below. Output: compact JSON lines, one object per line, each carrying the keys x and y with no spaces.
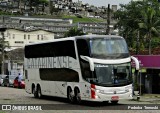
{"x":104,"y":2}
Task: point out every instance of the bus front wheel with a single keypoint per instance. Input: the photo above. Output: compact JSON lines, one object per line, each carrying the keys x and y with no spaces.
{"x":114,"y":102}
{"x":70,"y":95}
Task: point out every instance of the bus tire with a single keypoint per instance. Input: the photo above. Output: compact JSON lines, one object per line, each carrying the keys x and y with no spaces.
{"x":114,"y":102}
{"x":34,"y":92}
{"x":39,"y":92}
{"x":77,"y":95}
{"x":70,"y":95}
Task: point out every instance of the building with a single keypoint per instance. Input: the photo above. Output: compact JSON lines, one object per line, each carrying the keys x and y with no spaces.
{"x":19,"y":38}
{"x":149,"y":75}
{"x":96,"y":28}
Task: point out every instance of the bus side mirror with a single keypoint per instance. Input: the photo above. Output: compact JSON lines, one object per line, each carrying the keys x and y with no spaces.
{"x":88,"y":59}
{"x":136,"y":62}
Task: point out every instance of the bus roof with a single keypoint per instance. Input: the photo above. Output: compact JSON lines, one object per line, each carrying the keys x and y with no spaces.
{"x":77,"y":37}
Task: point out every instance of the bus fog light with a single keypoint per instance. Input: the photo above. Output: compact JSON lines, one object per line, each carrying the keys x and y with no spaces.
{"x":97,"y":91}
{"x":97,"y":96}
{"x":131,"y":96}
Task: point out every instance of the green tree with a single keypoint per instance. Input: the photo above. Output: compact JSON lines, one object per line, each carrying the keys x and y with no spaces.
{"x":150,"y":24}
{"x":128,"y":17}
{"x":139,"y":17}
{"x":3,"y":45}
{"x":74,"y":32}
{"x":36,"y":3}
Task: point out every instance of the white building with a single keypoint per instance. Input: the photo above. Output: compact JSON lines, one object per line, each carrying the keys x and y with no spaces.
{"x":19,"y":38}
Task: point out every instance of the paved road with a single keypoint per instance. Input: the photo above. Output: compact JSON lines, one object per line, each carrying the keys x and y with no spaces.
{"x":18,"y":97}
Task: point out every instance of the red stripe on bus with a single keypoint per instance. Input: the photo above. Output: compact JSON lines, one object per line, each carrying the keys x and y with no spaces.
{"x":93,"y":93}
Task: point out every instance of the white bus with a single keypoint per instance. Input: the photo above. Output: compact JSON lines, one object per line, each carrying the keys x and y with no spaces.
{"x":90,"y":67}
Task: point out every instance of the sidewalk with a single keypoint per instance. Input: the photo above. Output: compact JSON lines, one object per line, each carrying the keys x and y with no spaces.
{"x":152,"y":98}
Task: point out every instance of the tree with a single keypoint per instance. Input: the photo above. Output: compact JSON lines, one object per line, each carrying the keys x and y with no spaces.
{"x":139,"y":17}
{"x":3,"y":45}
{"x":36,"y":3}
{"x":74,"y":32}
{"x":128,"y":18}
{"x":150,"y":24}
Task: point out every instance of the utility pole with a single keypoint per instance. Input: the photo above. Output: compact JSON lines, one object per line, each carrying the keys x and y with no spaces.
{"x":2,"y":30}
{"x":108,"y":20}
{"x":137,"y":44}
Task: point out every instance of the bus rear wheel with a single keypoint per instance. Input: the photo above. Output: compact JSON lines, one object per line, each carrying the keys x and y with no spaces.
{"x":70,"y":95}
{"x":39,"y":93}
{"x":77,"y":96}
{"x":34,"y":92}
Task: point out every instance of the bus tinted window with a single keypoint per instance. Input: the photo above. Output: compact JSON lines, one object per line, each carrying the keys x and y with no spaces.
{"x":52,"y":49}
{"x":59,"y":74}
{"x":82,"y":46}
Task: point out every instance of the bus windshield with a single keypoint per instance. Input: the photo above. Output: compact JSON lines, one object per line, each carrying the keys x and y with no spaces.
{"x":108,"y":48}
{"x":112,"y":75}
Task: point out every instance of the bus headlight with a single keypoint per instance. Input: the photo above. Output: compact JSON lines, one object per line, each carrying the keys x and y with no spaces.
{"x":99,"y":91}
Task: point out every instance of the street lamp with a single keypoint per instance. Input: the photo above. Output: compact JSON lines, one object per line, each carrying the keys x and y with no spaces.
{"x":2,"y":30}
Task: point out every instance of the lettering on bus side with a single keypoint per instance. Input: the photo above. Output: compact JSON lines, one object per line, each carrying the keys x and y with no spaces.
{"x":51,"y":62}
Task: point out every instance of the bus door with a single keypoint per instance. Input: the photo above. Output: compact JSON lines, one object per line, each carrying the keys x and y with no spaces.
{"x":85,"y":90}
{"x":28,"y":80}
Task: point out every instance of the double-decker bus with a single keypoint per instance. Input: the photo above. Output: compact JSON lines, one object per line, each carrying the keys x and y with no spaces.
{"x":89,"y":67}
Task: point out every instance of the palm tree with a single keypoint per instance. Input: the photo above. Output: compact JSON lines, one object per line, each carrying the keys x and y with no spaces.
{"x":128,"y":18}
{"x":139,"y":17}
{"x":150,"y":24}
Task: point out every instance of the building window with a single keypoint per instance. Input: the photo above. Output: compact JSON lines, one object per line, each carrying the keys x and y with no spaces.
{"x":41,"y":36}
{"x":19,"y":42}
{"x":24,"y":36}
{"x":28,"y":37}
{"x":37,"y":37}
{"x":13,"y":36}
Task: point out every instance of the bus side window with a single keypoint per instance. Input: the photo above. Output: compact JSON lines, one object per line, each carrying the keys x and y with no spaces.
{"x":82,"y":47}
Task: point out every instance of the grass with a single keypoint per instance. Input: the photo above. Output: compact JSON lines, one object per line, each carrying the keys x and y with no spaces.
{"x":83,"y":19}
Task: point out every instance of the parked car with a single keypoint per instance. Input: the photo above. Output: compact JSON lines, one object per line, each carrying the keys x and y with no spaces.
{"x":15,"y":84}
{"x":2,"y":79}
{"x":8,"y":80}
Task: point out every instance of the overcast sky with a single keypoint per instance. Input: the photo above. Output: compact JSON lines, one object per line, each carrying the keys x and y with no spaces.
{"x":104,"y":2}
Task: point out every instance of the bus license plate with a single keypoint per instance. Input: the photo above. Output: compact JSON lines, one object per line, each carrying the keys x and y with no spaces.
{"x":115,"y":98}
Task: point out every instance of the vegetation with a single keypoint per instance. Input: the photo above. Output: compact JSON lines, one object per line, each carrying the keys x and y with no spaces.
{"x":83,"y":19}
{"x":139,"y":23}
{"x":74,"y":32}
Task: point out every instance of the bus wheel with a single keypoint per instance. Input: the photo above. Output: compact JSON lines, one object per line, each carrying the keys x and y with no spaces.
{"x":35,"y":92}
{"x":114,"y":102}
{"x":77,"y":96}
{"x":70,"y":95}
{"x":39,"y":93}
